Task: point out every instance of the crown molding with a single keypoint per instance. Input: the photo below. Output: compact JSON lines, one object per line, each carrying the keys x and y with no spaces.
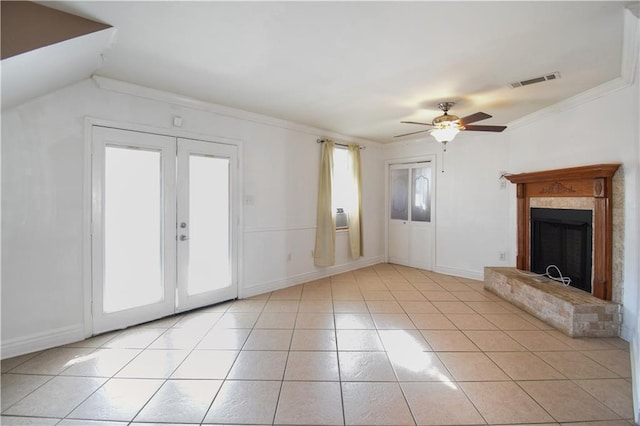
{"x":629,"y":63}
{"x":132,"y":89}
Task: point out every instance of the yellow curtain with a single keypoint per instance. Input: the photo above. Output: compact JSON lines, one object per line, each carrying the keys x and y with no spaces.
{"x":325,"y":253}
{"x":355,"y":210}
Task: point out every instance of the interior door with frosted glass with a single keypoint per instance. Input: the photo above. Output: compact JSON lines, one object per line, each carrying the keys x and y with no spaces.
{"x":398,"y":214}
{"x":133,"y":227}
{"x":421,"y":235}
{"x":206,"y":223}
{"x":410,"y":228}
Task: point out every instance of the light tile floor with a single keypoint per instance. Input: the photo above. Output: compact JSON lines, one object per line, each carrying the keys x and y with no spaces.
{"x":381,"y":345}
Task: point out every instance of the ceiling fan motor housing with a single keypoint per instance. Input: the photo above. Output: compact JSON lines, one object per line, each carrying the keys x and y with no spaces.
{"x":447,"y":121}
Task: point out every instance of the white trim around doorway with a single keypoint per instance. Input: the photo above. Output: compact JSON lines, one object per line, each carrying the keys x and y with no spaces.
{"x":409,"y":160}
{"x":89,"y":123}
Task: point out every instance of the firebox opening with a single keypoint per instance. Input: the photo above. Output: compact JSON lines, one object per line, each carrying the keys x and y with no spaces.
{"x":563,"y":237}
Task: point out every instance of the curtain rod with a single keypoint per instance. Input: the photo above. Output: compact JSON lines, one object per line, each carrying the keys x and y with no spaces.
{"x":340,"y":144}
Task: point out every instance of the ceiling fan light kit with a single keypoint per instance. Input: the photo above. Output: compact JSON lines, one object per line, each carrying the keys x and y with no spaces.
{"x":445,"y":134}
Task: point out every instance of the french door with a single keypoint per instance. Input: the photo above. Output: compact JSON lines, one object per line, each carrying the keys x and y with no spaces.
{"x":409,"y":216}
{"x":163,"y":228}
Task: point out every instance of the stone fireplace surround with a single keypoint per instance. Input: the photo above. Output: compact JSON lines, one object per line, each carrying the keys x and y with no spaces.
{"x":572,"y":311}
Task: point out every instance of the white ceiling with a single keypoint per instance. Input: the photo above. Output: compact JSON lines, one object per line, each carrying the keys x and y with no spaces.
{"x":358,"y":68}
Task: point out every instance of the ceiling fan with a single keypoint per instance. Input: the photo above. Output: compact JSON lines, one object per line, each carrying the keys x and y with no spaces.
{"x":446,"y":127}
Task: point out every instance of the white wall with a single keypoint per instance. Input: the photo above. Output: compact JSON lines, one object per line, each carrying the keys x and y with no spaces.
{"x":44,"y":187}
{"x":635,"y":341}
{"x":635,"y":333}
{"x":281,"y":222}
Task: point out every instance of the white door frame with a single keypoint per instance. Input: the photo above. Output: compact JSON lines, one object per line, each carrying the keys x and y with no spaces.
{"x":89,"y":122}
{"x":410,"y":160}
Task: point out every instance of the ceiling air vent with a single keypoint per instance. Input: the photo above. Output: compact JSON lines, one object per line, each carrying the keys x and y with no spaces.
{"x":553,"y":76}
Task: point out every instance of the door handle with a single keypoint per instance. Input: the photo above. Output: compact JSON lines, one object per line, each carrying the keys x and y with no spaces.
{"x":183,"y":238}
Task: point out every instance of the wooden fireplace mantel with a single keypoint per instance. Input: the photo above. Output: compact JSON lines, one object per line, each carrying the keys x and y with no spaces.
{"x":587,"y":181}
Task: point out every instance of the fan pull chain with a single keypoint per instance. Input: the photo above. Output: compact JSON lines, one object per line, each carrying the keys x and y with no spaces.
{"x":444,"y":150}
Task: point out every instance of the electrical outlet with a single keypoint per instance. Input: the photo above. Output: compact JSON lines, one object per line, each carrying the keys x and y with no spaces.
{"x":289,"y":257}
{"x":502,"y":255}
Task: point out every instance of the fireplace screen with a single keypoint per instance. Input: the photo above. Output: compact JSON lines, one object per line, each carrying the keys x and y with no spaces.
{"x":562,"y":237}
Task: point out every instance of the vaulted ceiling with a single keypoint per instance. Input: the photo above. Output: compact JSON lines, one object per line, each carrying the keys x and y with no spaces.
{"x":359,"y":68}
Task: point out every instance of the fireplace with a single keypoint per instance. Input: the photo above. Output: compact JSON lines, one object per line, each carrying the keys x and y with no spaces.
{"x":563,"y":237}
{"x":592,"y":182}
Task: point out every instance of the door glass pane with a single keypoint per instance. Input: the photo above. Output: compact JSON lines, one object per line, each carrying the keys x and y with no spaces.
{"x":132,"y":228}
{"x":209,"y":248}
{"x":399,"y":194}
{"x":421,"y":194}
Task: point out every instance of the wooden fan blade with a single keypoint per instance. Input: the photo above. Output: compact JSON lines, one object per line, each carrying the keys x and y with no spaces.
{"x":415,"y":122}
{"x":478,"y":116}
{"x":412,"y":133}
{"x":487,"y":128}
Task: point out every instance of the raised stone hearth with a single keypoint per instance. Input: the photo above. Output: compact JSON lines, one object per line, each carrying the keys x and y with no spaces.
{"x":572,"y":311}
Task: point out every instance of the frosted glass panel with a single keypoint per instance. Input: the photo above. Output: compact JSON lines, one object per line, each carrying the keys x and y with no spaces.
{"x":421,"y":194}
{"x":209,"y":248}
{"x":132,"y":229}
{"x":399,"y":194}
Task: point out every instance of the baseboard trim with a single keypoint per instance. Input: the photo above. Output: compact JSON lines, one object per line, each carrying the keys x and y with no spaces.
{"x":457,"y":272}
{"x":309,"y":276}
{"x":42,"y":340}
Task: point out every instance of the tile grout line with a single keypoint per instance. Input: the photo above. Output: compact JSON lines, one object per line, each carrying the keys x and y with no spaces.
{"x":284,"y":371}
{"x":234,"y":361}
{"x":398,"y":383}
{"x":335,"y":335}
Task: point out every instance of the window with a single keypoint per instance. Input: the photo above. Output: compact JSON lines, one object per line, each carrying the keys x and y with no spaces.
{"x":343,"y":191}
{"x":339,"y":188}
